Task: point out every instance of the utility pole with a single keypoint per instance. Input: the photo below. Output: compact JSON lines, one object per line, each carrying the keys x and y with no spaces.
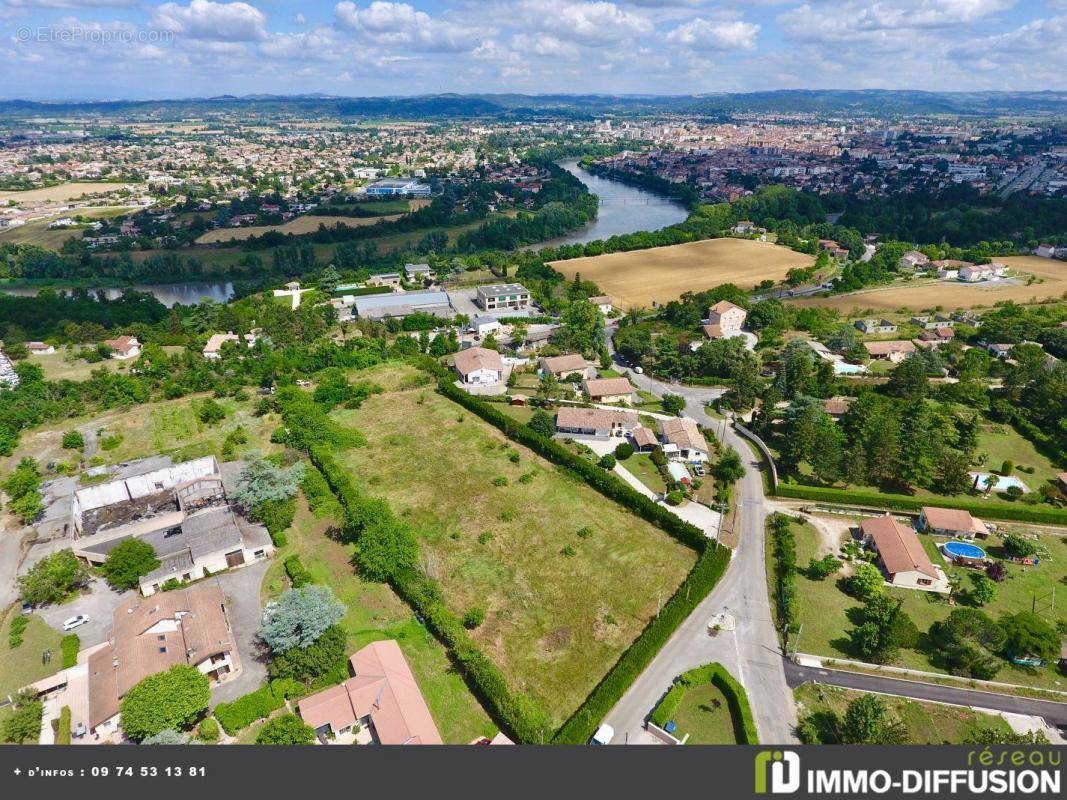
{"x":796,"y":642}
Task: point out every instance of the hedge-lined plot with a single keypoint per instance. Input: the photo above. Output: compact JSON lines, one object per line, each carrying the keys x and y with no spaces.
{"x":675,"y":705}
{"x":498,"y":530}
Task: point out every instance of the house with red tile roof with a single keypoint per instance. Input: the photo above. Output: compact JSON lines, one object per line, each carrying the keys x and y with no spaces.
{"x":381,"y":697}
{"x":901,"y":555}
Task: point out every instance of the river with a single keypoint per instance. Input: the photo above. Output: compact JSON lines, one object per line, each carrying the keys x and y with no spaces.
{"x":623,"y":209}
{"x":168,"y":294}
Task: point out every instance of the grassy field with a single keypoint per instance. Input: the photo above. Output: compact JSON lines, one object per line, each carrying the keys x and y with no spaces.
{"x":554,"y":622}
{"x":65,"y":365}
{"x":824,"y":606}
{"x":1051,"y":282}
{"x":307,"y":223}
{"x":926,"y":723}
{"x":168,"y":427}
{"x":642,"y":468}
{"x":38,"y":232}
{"x":375,"y":613}
{"x":64,"y":191}
{"x":705,"y":715}
{"x":22,"y":665}
{"x":640,"y":277}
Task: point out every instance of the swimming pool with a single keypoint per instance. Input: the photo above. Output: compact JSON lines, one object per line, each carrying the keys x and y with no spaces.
{"x":1003,"y":482}
{"x":963,"y":550}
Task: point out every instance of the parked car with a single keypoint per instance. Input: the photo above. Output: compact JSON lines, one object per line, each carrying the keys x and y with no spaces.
{"x":604,"y":734}
{"x":75,"y":622}
{"x":698,"y":470}
{"x":26,"y":607}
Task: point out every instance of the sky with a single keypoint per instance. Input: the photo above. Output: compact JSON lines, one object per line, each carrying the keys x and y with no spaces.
{"x":141,"y":49}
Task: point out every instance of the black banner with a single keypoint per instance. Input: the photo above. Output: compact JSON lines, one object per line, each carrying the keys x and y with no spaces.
{"x":549,"y":773}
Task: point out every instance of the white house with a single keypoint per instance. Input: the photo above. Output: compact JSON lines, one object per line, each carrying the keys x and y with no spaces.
{"x":479,"y":365}
{"x":598,"y":422}
{"x":683,"y":440}
{"x":124,"y":347}
{"x":901,"y":556}
{"x":564,"y":366}
{"x":483,"y":326}
{"x":40,"y":348}
{"x":603,"y":304}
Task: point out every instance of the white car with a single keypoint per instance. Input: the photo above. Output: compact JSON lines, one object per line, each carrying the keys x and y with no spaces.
{"x":604,"y":734}
{"x":75,"y":622}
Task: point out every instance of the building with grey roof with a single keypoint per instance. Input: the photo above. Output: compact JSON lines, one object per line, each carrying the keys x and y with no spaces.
{"x":402,"y":304}
{"x":503,"y":296}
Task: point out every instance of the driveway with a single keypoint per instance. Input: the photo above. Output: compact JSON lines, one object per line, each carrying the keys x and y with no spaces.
{"x":10,"y":553}
{"x":99,"y":603}
{"x":241,"y":589}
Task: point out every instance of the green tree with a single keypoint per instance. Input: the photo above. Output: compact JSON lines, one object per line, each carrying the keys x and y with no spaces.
{"x":624,"y":451}
{"x":968,"y":642}
{"x":908,"y":379}
{"x":210,"y":412}
{"x":171,"y":699}
{"x":542,"y":422}
{"x":1018,"y":546}
{"x":262,"y":481}
{"x":167,"y":736}
{"x":299,"y":617}
{"x":1026,"y":635}
{"x":128,"y":562}
{"x":883,"y":630}
{"x":325,"y":656}
{"x":385,"y":546}
{"x":867,"y":721}
{"x":983,"y":589}
{"x":286,"y":729}
{"x":53,"y":578}
{"x":866,"y":582}
{"x":672,"y":403}
{"x":729,"y":468}
{"x":23,"y":725}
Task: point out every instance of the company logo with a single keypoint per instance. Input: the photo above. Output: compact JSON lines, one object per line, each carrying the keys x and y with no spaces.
{"x":784,"y":769}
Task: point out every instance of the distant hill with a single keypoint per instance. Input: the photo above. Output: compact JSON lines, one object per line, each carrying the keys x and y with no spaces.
{"x":503,"y":106}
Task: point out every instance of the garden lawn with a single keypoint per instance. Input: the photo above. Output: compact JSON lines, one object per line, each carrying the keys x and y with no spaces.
{"x":554,"y":623}
{"x":705,"y":715}
{"x":1003,"y":442}
{"x":374,"y":612}
{"x":927,"y":723}
{"x":642,"y":468}
{"x":823,"y":606}
{"x":22,"y":665}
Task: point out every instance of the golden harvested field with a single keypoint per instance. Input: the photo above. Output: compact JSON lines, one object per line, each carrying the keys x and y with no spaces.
{"x":1051,"y":283}
{"x":63,"y":192}
{"x":303,"y":224}
{"x":639,"y":277}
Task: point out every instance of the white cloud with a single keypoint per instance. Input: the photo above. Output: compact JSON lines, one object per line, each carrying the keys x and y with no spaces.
{"x":400,"y":24}
{"x":591,"y":23}
{"x":70,"y":4}
{"x":829,"y":22}
{"x":702,"y":34}
{"x":543,"y":44}
{"x":204,"y":19}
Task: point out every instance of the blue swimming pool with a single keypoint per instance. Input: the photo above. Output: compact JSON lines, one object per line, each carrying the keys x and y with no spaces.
{"x":963,"y":550}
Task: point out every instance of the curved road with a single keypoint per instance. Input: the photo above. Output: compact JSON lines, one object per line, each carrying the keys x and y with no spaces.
{"x":750,"y":652}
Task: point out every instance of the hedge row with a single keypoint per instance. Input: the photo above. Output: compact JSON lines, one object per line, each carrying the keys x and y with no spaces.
{"x":701,"y":580}
{"x":987,"y":510}
{"x":736,"y":698}
{"x":516,"y":713}
{"x":605,"y":482}
{"x":63,"y":734}
{"x":784,"y":552}
{"x":256,"y":705}
{"x":70,"y":645}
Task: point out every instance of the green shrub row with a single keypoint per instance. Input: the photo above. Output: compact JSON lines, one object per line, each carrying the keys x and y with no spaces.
{"x":297,"y":572}
{"x":517,"y":714}
{"x":607,"y":483}
{"x":784,"y":553}
{"x":736,"y":698}
{"x":63,"y":734}
{"x":984,"y":509}
{"x":15,"y":631}
{"x":70,"y":645}
{"x":256,"y":705}
{"x":701,"y":580}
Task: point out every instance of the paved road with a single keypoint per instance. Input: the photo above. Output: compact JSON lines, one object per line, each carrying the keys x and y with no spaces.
{"x":751,"y":651}
{"x":241,"y":589}
{"x":1053,"y":713}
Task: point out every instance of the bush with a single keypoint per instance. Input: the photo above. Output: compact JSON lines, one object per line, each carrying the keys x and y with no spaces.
{"x":210,"y":412}
{"x":1019,"y":547}
{"x":73,"y":440}
{"x":15,"y":631}
{"x":277,"y":516}
{"x":69,"y":645}
{"x":256,"y":705}
{"x":1008,"y":467}
{"x":675,"y":498}
{"x":473,"y":618}
{"x":866,"y":581}
{"x":822,"y":568}
{"x":208,"y":731}
{"x":23,"y":725}
{"x":53,"y":578}
{"x":321,"y":662}
{"x":624,"y":451}
{"x":63,"y":734}
{"x":297,"y":572}
{"x":607,"y":461}
{"x":784,"y":555}
{"x":287,"y":729}
{"x":112,"y":442}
